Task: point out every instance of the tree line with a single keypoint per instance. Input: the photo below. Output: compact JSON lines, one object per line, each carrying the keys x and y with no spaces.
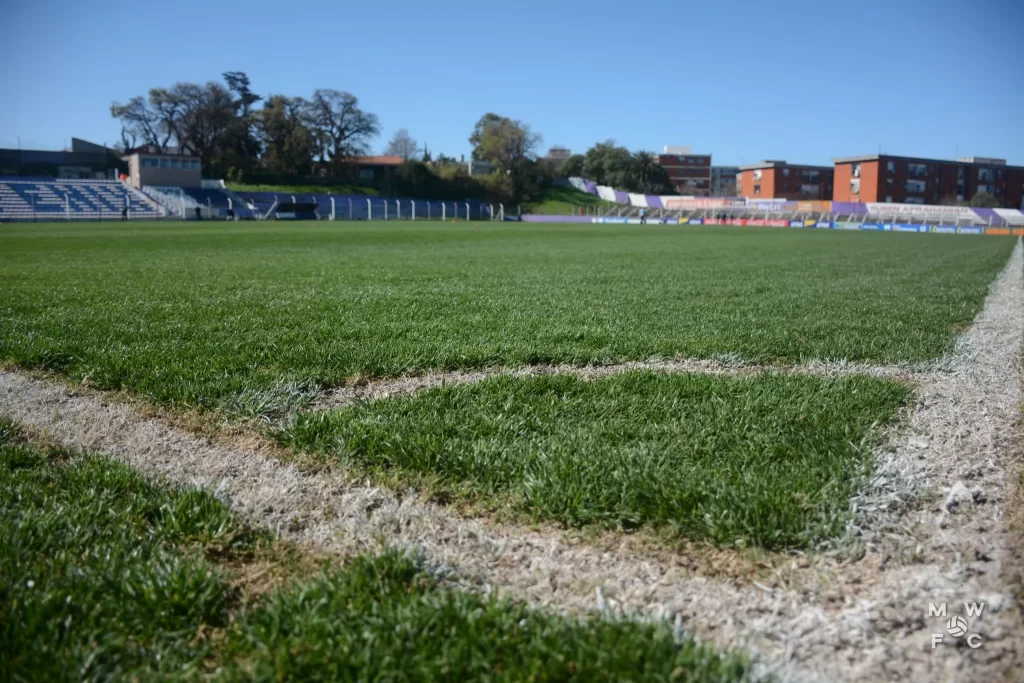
{"x":609,"y":164}
{"x":245,"y":136}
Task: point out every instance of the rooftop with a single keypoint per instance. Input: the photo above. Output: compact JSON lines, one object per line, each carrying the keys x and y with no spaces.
{"x":975,"y":161}
{"x":766,"y":163}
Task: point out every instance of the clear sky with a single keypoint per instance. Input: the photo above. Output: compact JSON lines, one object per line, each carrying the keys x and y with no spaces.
{"x":802,"y":81}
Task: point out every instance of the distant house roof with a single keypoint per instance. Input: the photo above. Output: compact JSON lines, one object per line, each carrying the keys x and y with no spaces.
{"x":378,"y":160}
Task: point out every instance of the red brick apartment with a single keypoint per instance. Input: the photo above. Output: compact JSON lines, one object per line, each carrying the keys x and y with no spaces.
{"x":909,"y":180}
{"x":690,"y":173}
{"x":780,"y":180}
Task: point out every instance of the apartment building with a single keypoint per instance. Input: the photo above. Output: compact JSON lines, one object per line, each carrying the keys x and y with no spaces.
{"x":782,"y":180}
{"x":690,"y":173}
{"x":912,"y":180}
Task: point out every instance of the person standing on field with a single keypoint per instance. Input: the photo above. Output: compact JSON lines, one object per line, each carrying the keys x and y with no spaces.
{"x":643,"y":216}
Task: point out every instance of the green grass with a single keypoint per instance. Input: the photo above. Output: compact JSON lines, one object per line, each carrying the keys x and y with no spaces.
{"x":199,"y":313}
{"x":104,"y":576}
{"x":305,"y":189}
{"x":769,"y":461}
{"x":555,"y":200}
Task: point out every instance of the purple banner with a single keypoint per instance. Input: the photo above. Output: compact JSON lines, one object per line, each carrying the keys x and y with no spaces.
{"x":990,"y":216}
{"x":849,"y":207}
{"x":530,"y":218}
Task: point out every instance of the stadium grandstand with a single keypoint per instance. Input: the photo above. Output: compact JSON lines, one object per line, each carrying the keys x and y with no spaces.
{"x":68,"y":199}
{"x":779,"y":212}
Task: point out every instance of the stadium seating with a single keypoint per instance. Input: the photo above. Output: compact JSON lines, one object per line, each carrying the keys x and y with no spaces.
{"x":49,"y":199}
{"x":213,"y":203}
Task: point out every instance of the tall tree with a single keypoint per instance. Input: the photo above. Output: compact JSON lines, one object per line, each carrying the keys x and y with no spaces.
{"x":511,"y":146}
{"x":607,"y":164}
{"x":140,"y":124}
{"x":646,"y":176}
{"x":288,"y":142}
{"x":242,"y":141}
{"x":401,"y":145}
{"x":572,"y":167}
{"x":476,"y":136}
{"x":344,"y":130}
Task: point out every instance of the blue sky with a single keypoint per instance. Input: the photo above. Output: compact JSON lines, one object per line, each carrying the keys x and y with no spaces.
{"x":801,"y":81}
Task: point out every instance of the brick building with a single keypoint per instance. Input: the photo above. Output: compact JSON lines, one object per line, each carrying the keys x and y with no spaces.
{"x":781,"y":180}
{"x":690,"y":173}
{"x":910,"y":180}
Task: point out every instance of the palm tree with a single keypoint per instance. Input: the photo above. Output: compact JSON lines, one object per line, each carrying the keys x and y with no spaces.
{"x":643,"y":170}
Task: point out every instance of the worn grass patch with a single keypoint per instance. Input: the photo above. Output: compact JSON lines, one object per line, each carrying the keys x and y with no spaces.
{"x":243,"y":314}
{"x":105,"y":576}
{"x":770,"y":460}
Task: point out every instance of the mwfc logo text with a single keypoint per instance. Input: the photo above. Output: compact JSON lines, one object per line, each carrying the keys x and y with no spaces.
{"x":957,"y":626}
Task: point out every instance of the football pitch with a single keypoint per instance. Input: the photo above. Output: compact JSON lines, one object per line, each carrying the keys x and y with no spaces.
{"x":366,"y":427}
{"x":196,"y":313}
{"x":223,"y":316}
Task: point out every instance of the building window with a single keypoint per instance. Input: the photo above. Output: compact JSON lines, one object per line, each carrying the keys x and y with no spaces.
{"x":785,"y":172}
{"x":890,"y":166}
{"x":888,"y":198}
{"x":856,"y":170}
{"x":757,"y":189}
{"x":366,"y":174}
{"x":855,"y":186}
{"x":165,"y":163}
{"x":757,"y":174}
{"x":915,"y":186}
{"x":888,"y":183}
{"x":919,"y":170}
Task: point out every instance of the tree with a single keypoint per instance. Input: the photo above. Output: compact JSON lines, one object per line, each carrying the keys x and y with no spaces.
{"x":343,"y":130}
{"x":478,"y":131}
{"x":288,"y":142}
{"x":242,"y":144}
{"x":401,"y":145}
{"x":607,"y":164}
{"x":984,"y":200}
{"x":572,"y":167}
{"x":140,"y":123}
{"x":509,"y":145}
